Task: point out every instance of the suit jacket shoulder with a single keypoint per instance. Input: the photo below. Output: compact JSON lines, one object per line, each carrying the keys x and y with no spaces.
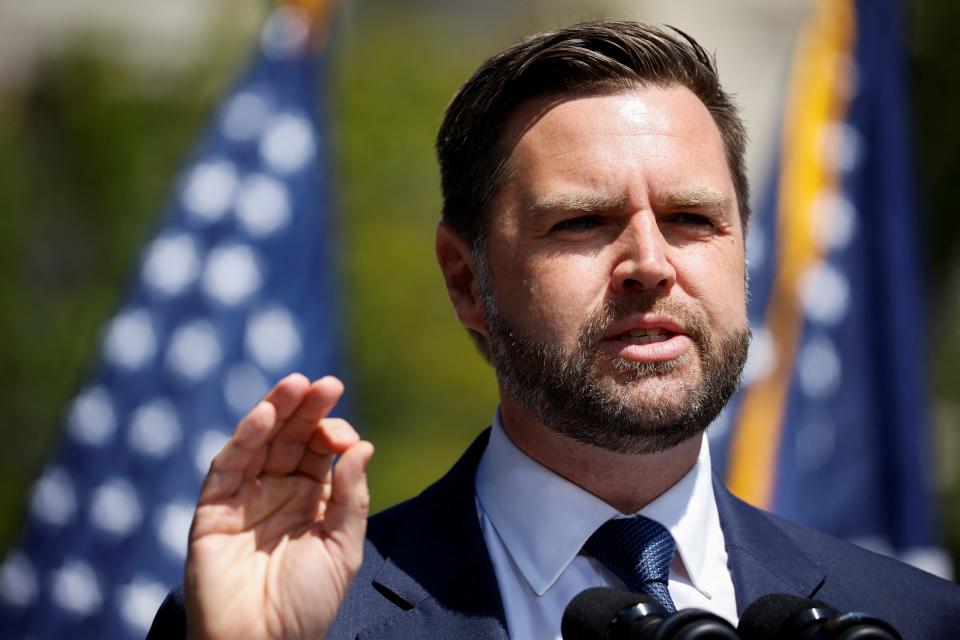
{"x":768,"y":554}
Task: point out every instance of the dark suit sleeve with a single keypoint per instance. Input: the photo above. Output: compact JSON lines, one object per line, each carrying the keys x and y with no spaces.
{"x":171,"y":618}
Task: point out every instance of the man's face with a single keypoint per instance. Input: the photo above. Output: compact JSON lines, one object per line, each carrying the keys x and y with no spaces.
{"x":613,"y":290}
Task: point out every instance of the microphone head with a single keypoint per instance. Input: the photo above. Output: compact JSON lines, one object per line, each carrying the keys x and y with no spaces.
{"x":592,"y":613}
{"x":780,"y":615}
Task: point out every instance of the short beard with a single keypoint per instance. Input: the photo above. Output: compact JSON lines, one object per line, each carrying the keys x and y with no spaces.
{"x":573,"y":395}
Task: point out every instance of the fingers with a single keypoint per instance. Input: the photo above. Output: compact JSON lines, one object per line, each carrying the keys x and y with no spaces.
{"x":255,"y":428}
{"x":288,"y":445}
{"x":316,"y":403}
{"x":244,"y":453}
{"x":241,"y":456}
{"x":346,"y":515}
{"x":285,"y":432}
{"x":334,"y":435}
{"x":287,"y":394}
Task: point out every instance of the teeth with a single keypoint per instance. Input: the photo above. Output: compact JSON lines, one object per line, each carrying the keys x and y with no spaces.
{"x":632,"y":338}
{"x":639,"y":333}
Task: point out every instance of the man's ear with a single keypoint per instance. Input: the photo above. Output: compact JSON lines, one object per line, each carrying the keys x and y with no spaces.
{"x":460,"y":276}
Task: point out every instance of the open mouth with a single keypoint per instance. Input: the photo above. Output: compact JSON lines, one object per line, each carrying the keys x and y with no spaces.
{"x":645,"y":336}
{"x":661,"y":340}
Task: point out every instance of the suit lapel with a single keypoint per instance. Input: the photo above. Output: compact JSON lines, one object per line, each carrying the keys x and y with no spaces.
{"x":762,"y":558}
{"x":454,"y":592}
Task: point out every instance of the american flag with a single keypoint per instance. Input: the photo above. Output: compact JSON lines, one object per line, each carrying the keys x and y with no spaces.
{"x":830,"y":429}
{"x":236,"y":289}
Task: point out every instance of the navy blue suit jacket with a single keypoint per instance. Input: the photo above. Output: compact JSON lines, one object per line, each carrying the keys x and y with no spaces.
{"x":426,"y":572}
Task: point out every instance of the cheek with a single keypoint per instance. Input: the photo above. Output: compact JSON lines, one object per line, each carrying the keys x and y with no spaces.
{"x":716,"y":280}
{"x":554,"y":295}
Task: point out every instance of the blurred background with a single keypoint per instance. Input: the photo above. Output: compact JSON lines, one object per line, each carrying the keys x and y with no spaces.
{"x":102,"y":102}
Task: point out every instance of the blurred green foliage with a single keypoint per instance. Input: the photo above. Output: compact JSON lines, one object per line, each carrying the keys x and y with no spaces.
{"x":83,"y":168}
{"x":421,"y":391}
{"x":87,"y":159}
{"x":935,"y":64}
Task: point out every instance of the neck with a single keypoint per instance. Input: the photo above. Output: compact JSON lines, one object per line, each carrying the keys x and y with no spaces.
{"x":627,"y":482}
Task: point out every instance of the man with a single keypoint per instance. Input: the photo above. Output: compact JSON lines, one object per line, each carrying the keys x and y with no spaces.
{"x":592,"y":242}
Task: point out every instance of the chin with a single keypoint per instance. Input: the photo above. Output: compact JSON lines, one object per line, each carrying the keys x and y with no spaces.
{"x":643,"y":386}
{"x":641,"y":440}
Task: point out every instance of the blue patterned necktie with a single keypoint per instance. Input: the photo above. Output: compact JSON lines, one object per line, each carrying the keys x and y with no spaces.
{"x":637,"y":550}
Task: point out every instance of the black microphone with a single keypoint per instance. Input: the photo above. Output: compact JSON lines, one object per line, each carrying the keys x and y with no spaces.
{"x":602,"y":613}
{"x":780,"y":616}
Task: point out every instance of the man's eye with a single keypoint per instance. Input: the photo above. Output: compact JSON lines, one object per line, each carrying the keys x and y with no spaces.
{"x":580,"y":223}
{"x":694,"y":220}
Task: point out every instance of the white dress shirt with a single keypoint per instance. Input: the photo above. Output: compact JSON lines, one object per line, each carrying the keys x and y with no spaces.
{"x":535,"y":523}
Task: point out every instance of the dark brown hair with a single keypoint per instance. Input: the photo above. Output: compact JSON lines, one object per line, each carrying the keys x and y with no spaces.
{"x":585,"y":59}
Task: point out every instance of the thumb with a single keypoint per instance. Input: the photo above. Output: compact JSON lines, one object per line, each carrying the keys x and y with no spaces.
{"x":345,"y":520}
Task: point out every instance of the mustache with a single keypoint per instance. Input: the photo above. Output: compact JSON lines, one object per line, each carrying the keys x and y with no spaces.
{"x":693,"y":322}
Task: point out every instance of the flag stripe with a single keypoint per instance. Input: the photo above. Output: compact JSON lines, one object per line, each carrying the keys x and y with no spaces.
{"x":818,"y":98}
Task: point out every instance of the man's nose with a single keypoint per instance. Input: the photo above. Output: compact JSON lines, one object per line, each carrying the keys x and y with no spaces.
{"x":642,"y":263}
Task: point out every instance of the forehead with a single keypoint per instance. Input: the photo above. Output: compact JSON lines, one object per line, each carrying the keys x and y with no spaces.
{"x":632,"y":144}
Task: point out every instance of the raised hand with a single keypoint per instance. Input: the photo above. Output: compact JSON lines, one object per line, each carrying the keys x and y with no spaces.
{"x":278,"y":534}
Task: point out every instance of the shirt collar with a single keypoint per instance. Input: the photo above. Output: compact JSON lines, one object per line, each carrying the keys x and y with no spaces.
{"x":544,"y":519}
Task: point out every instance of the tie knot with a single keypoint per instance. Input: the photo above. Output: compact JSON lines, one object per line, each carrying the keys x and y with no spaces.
{"x":637,"y":550}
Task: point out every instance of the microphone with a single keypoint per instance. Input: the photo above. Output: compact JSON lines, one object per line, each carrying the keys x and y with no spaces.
{"x":602,"y":613}
{"x":786,"y":617}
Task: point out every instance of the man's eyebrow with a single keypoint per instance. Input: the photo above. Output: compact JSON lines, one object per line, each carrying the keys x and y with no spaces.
{"x":697,"y":198}
{"x":573,"y":201}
